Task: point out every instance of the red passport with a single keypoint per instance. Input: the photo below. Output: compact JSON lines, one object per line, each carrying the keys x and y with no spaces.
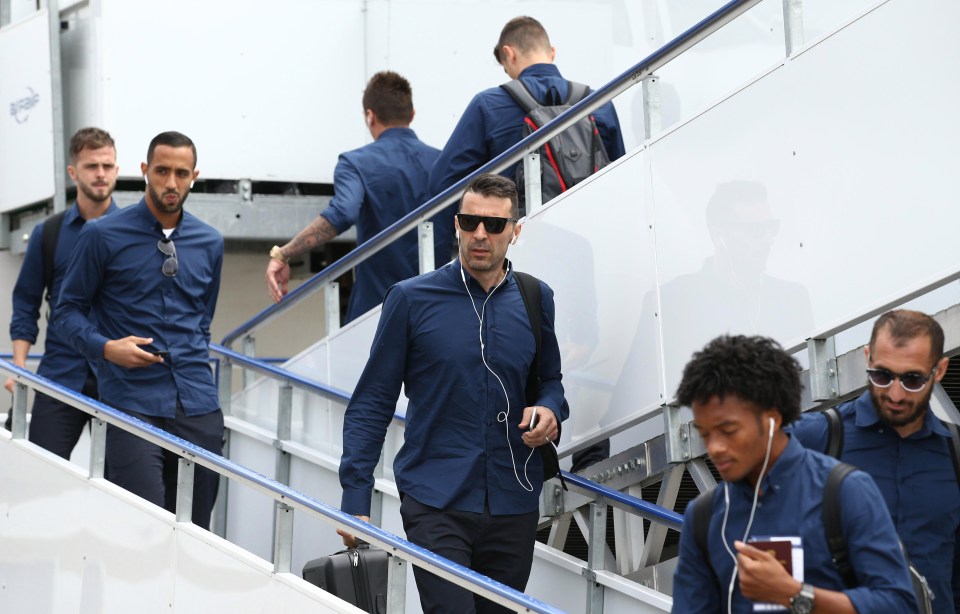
{"x":781,"y":549}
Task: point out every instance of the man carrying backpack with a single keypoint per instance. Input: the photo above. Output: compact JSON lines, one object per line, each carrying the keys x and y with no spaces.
{"x":494,"y":119}
{"x":891,"y":433}
{"x":743,"y":390}
{"x":54,"y":425}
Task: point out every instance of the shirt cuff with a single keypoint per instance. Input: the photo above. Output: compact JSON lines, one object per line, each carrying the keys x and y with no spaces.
{"x":356,"y":502}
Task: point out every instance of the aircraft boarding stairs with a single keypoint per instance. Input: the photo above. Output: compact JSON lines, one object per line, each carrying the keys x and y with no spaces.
{"x":762,"y":214}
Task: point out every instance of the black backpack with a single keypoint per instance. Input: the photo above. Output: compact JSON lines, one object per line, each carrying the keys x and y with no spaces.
{"x":571,"y":156}
{"x":530,"y":292}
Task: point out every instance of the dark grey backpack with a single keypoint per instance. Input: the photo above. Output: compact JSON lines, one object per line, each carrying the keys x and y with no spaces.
{"x":571,"y":156}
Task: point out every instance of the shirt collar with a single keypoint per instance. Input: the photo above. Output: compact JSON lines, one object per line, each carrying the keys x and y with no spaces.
{"x":454,"y":268}
{"x":784,"y":469}
{"x":73,"y":213}
{"x":867,"y":417}
{"x":397,"y":133}
{"x":150,"y":221}
{"x":540,"y":70}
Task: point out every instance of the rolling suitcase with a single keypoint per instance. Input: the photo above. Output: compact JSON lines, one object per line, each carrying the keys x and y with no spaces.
{"x":358,"y":576}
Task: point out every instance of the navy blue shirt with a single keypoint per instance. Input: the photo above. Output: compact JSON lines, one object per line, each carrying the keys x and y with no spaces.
{"x":493,"y":122}
{"x":115,"y":276}
{"x":790,"y":505}
{"x":462,"y":447}
{"x":60,"y":362}
{"x":916,"y":477}
{"x":375,"y":186}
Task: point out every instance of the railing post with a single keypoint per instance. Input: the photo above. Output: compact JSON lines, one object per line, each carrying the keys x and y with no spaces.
{"x":792,"y":25}
{"x":98,"y":447}
{"x":552,"y":498}
{"x":824,"y":379}
{"x":532,"y":185}
{"x":284,"y":430}
{"x":331,"y":304}
{"x":396,"y":585}
{"x":185,"y":490}
{"x":425,"y":239}
{"x":282,"y":537}
{"x":596,"y":555}
{"x":249,"y":349}
{"x":19,"y":418}
{"x":225,"y":384}
{"x":676,"y":435}
{"x":650,"y":91}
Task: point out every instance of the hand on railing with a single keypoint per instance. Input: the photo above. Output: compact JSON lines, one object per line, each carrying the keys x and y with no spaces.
{"x":278,"y":275}
{"x":350,"y":541}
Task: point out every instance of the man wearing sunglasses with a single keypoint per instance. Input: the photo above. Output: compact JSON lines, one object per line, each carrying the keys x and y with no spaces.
{"x":891,"y":433}
{"x":149,"y":276}
{"x":459,"y":341}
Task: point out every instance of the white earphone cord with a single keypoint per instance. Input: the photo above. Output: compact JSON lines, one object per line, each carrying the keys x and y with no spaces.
{"x":753,"y":511}
{"x":502,"y":416}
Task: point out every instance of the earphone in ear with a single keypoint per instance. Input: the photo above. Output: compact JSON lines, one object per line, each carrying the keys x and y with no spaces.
{"x":191,"y":185}
{"x":770,"y":434}
{"x":145,"y":180}
{"x":514,"y":240}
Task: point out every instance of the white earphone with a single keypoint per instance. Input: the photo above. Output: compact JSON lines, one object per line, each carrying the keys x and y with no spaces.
{"x":191,"y":185}
{"x":145,"y":180}
{"x":514,"y":240}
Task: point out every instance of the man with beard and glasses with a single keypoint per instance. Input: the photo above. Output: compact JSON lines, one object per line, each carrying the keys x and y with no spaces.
{"x":148,"y":278}
{"x":891,"y":433}
{"x":54,"y":425}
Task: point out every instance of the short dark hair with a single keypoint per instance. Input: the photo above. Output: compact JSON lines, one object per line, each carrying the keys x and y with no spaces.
{"x":754,"y":369}
{"x":524,"y":33}
{"x":489,"y":184}
{"x":389,"y":96}
{"x":171,"y":139}
{"x":905,"y":325}
{"x":89,"y":138}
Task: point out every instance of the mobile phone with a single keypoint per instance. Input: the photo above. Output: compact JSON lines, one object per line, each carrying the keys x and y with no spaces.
{"x":533,"y":419}
{"x":162,"y":354}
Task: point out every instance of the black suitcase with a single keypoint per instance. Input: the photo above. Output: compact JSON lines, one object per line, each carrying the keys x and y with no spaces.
{"x":358,"y":576}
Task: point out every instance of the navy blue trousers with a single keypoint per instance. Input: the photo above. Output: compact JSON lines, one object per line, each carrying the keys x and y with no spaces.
{"x":56,"y":426}
{"x":150,"y":471}
{"x":500,"y":547}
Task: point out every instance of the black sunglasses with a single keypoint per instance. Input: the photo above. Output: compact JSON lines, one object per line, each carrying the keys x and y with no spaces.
{"x":171,"y":265}
{"x":493,"y":225}
{"x":911,"y":382}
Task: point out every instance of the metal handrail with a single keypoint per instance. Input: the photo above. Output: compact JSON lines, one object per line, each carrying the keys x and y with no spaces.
{"x":508,"y":158}
{"x":285,"y":495}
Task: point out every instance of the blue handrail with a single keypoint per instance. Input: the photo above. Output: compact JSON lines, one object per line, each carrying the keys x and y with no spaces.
{"x":279,"y":492}
{"x":508,"y":158}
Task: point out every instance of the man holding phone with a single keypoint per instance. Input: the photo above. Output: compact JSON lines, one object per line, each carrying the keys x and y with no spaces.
{"x":149,"y":276}
{"x":743,"y":390}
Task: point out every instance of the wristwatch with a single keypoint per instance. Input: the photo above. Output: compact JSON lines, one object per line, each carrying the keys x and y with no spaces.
{"x":802,"y":602}
{"x":276,"y":254}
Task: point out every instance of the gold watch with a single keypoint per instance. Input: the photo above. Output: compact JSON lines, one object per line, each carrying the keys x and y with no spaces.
{"x":276,"y":254}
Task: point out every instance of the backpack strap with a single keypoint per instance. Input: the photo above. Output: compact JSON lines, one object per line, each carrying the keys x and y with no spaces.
{"x":48,"y":243}
{"x":702,"y":508}
{"x":576,"y":92}
{"x":521,"y":95}
{"x":834,"y":432}
{"x":954,"y":444}
{"x":530,"y":293}
{"x":832,"y":525}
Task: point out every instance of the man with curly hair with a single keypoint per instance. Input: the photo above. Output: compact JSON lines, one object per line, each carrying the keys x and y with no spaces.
{"x":743,"y":391}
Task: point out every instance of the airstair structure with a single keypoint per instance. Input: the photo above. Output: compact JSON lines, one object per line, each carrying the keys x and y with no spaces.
{"x":800,"y":206}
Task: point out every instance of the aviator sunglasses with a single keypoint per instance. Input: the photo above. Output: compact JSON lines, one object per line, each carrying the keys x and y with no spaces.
{"x":171,"y":265}
{"x":493,"y":225}
{"x":911,"y":382}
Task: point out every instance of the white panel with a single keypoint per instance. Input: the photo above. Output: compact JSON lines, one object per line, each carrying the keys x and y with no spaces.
{"x":268,"y":91}
{"x":250,"y":513}
{"x":26,"y":113}
{"x":599,"y":287}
